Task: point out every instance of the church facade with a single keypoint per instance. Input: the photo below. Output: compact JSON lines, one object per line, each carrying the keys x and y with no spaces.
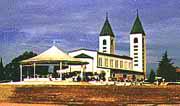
{"x":130,"y":67}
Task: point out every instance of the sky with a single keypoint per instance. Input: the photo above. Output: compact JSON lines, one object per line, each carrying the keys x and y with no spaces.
{"x":32,"y":25}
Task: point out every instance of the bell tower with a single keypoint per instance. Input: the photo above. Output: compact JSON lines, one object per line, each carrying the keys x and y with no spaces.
{"x":107,"y":38}
{"x":138,"y":46}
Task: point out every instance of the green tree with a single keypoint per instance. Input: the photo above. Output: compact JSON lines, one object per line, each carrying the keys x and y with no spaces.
{"x":12,"y":69}
{"x":152,"y":76}
{"x":166,"y":69}
{"x":1,"y":70}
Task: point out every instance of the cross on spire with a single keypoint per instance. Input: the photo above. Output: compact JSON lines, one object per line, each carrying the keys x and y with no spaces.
{"x":106,"y":15}
{"x":137,"y":12}
{"x":54,"y":42}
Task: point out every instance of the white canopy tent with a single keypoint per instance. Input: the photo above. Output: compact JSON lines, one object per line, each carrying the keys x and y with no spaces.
{"x":52,"y":56}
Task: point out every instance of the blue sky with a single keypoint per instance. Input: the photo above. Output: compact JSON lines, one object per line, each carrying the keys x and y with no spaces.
{"x":34,"y":24}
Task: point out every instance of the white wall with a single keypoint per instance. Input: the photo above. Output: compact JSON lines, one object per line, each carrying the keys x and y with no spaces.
{"x":92,"y":66}
{"x":93,"y":62}
{"x":89,"y":67}
{"x":108,"y":44}
{"x":124,"y":67}
{"x":138,"y":68}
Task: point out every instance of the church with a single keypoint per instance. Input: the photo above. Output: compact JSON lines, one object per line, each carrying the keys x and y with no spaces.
{"x":115,"y":66}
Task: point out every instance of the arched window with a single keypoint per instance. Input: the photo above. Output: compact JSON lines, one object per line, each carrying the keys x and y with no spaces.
{"x":135,"y":40}
{"x":104,"y":42}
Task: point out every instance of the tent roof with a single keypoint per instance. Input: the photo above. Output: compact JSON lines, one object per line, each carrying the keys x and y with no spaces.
{"x":53,"y":54}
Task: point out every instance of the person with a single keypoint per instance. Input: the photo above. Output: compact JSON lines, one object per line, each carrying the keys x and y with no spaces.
{"x":78,"y":78}
{"x":141,"y":83}
{"x":50,"y":77}
{"x":157,"y":83}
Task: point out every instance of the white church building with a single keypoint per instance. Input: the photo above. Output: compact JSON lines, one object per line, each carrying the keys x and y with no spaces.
{"x":131,"y":67}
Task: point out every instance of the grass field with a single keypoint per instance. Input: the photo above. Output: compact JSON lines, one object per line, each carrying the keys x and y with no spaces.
{"x":21,"y":95}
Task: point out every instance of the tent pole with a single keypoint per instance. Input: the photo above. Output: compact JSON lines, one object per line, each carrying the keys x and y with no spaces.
{"x":82,"y":69}
{"x":93,"y":66}
{"x":70,"y":68}
{"x":34,"y":64}
{"x":60,"y":67}
{"x":20,"y":73}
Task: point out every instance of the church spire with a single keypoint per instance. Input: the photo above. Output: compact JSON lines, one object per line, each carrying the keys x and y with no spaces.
{"x":107,"y":30}
{"x":137,"y":27}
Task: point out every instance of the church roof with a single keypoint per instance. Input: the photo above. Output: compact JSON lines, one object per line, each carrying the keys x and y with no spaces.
{"x":137,"y":27}
{"x":107,"y":30}
{"x":114,"y":55}
{"x":82,"y":55}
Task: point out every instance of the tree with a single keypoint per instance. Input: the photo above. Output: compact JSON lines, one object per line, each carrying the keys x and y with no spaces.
{"x":152,"y":76}
{"x":1,"y":70}
{"x":166,"y":69}
{"x":12,"y":69}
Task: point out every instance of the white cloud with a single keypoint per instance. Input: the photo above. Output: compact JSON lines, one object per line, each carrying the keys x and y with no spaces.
{"x":44,"y":29}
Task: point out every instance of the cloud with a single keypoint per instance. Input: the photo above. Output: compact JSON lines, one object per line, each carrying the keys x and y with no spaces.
{"x":43,"y":30}
{"x":33,"y":25}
